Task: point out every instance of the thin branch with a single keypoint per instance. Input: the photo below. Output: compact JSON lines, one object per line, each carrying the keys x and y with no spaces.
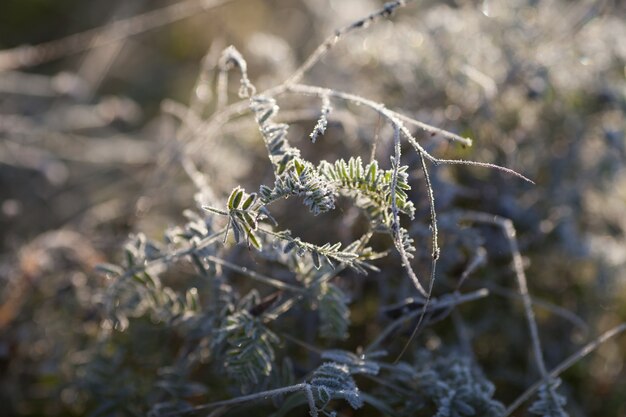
{"x":201,"y":94}
{"x":435,"y":304}
{"x":474,"y":263}
{"x":171,"y":257}
{"x":395,"y":226}
{"x":376,"y":139}
{"x":434,"y":258}
{"x":463,"y":334}
{"x":254,"y":275}
{"x":397,"y":119}
{"x":320,"y":51}
{"x":244,"y":399}
{"x":484,"y":165}
{"x":388,"y":113}
{"x":434,"y":130}
{"x":223,"y":116}
{"x":221,"y":89}
{"x":479,"y":258}
{"x":565,"y":365}
{"x":433,"y":216}
{"x":546,"y":305}
{"x":518,"y":265}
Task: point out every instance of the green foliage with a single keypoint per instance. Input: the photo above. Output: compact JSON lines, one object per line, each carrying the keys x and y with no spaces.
{"x":345,"y":303}
{"x":370,"y":188}
{"x":334,"y":313}
{"x":301,"y":178}
{"x":274,"y":134}
{"x":443,"y":385}
{"x":457,"y":387}
{"x":242,"y":218}
{"x":249,"y":355}
{"x":363,"y":364}
{"x":332,"y":380}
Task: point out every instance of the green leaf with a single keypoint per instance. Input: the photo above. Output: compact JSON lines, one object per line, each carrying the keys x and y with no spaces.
{"x":248,"y":202}
{"x":235,"y":198}
{"x":130,"y":258}
{"x":236,"y":230}
{"x":250,"y":221}
{"x":109,"y":269}
{"x":371,"y":175}
{"x":250,"y":353}
{"x":289,"y":246}
{"x":192,"y":300}
{"x":316,"y":259}
{"x":266,"y":115}
{"x":252,"y":239}
{"x":299,"y":166}
{"x":334,"y":312}
{"x":151,"y":281}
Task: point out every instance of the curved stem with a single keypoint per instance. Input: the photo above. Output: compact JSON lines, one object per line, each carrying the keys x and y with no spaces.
{"x":247,"y":398}
{"x":565,"y":365}
{"x":518,"y":265}
{"x":395,"y":225}
{"x":327,"y":45}
{"x":444,"y":303}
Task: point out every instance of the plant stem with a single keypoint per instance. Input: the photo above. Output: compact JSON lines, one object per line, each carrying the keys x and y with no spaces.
{"x":565,"y":365}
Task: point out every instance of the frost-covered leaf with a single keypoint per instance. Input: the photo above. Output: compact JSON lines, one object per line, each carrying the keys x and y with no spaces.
{"x":332,"y":380}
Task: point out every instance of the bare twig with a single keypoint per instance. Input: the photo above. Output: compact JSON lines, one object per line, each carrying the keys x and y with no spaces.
{"x":397,"y":118}
{"x":435,"y":304}
{"x":254,"y":275}
{"x":564,"y":313}
{"x":395,"y":226}
{"x":320,"y":51}
{"x":252,"y":397}
{"x":518,"y":265}
{"x":565,"y":365}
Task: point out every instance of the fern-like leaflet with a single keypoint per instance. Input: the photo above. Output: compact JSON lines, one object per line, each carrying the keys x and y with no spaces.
{"x":250,"y":352}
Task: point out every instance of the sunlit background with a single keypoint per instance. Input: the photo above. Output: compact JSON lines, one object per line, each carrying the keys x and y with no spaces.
{"x":89,"y":154}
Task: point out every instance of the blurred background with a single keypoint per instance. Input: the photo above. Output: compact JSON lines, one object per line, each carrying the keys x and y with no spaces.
{"x":87,"y":156}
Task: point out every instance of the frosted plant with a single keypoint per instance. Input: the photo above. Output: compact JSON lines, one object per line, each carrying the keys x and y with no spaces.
{"x":370,"y":290}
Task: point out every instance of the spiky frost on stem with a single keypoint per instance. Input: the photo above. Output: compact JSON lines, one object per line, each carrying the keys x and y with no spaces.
{"x":322,"y":122}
